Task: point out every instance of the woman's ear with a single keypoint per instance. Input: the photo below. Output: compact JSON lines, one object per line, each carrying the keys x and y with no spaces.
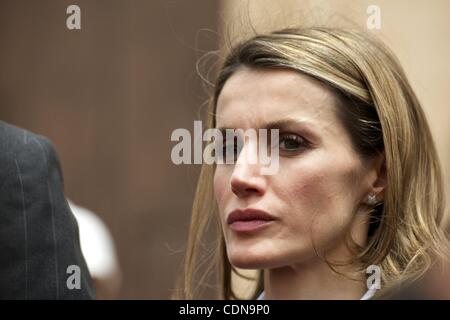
{"x":378,"y":177}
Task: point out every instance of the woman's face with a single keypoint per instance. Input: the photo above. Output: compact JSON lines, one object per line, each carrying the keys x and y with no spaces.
{"x":316,"y":196}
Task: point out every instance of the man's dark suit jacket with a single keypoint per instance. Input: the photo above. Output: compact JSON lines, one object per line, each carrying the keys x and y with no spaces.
{"x":38,"y":232}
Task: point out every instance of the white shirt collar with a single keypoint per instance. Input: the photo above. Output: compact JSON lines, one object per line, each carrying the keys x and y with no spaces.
{"x":367,"y":296}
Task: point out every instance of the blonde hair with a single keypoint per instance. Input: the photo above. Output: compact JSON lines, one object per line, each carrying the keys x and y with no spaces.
{"x":382,"y":115}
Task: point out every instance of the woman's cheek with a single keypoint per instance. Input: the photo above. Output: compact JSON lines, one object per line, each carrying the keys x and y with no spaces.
{"x":305,"y":194}
{"x":301,"y":180}
{"x":220,"y":186}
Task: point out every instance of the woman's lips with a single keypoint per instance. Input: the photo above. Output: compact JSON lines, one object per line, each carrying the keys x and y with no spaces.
{"x":248,"y":220}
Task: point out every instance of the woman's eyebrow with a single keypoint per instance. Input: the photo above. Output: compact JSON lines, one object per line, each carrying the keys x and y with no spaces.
{"x":287,"y":124}
{"x":290,"y":124}
{"x":277,"y":124}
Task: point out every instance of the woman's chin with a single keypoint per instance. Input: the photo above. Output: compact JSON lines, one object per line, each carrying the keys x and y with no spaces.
{"x":251,"y":261}
{"x":262,"y":257}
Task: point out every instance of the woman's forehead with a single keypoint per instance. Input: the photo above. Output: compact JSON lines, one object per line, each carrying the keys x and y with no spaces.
{"x":252,"y":98}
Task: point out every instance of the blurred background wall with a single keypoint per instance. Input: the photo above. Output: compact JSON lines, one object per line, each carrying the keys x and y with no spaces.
{"x":109,"y":96}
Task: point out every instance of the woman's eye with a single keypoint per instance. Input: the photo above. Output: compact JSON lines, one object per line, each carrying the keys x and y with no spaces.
{"x":292,"y":143}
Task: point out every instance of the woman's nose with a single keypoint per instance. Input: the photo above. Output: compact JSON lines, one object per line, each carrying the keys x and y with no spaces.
{"x":246,"y":179}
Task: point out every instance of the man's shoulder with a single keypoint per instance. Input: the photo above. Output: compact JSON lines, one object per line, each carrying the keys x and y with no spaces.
{"x":21,"y":143}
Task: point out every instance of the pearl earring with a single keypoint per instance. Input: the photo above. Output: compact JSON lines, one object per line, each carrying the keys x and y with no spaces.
{"x":372,"y":199}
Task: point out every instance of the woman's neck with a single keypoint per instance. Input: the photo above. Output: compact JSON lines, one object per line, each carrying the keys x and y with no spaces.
{"x":311,"y":281}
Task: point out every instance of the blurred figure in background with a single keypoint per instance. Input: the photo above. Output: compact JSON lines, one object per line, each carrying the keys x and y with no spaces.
{"x":98,"y":249}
